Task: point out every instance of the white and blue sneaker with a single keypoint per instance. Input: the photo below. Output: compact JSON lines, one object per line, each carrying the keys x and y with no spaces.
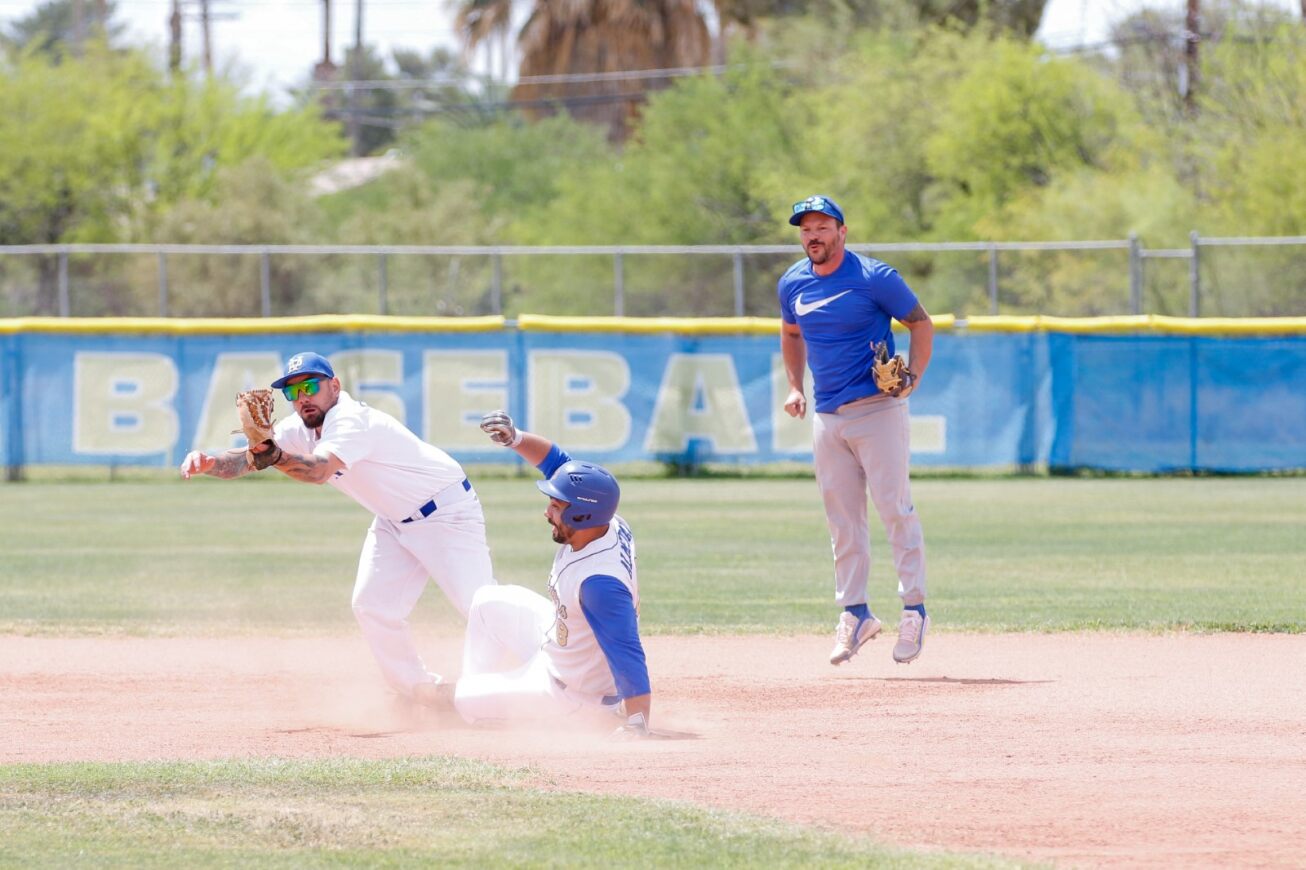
{"x":850,"y":635}
{"x":911,"y":636}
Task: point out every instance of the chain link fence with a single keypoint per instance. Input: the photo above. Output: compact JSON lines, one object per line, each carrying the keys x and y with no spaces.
{"x":1229,"y":277}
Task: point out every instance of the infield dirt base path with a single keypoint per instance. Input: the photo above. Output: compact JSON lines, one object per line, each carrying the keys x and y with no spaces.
{"x":1081,"y":749}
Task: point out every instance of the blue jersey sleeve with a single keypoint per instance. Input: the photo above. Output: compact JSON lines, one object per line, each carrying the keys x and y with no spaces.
{"x":610,"y":611}
{"x":894,"y":296}
{"x":553,"y":460}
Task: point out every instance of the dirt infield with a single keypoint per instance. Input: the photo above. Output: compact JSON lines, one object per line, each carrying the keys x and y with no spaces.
{"x":1082,"y":749}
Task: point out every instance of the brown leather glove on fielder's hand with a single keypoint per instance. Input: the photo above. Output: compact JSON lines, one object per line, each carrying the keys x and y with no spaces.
{"x":255,"y":410}
{"x":891,"y":374}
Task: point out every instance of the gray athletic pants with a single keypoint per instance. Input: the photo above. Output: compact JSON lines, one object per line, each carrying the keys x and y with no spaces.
{"x":865,"y":446}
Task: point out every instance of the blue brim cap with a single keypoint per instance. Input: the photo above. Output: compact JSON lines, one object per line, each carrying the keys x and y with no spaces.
{"x":819,"y":204}
{"x":308,"y":363}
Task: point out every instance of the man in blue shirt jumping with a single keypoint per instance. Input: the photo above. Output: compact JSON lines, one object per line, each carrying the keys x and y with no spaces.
{"x":836,"y":305}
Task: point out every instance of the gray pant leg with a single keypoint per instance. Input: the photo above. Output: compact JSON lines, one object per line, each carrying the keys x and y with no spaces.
{"x":879,"y":433}
{"x":842,"y":483}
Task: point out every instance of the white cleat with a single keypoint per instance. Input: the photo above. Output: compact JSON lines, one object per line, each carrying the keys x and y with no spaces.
{"x":911,"y":637}
{"x":850,"y":635}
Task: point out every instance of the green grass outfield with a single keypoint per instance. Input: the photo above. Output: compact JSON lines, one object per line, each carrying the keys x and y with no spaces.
{"x":418,"y":812}
{"x":716,"y":555}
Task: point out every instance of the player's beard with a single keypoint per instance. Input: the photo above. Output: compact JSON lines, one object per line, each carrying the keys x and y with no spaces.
{"x":818,"y":253}
{"x":311,"y":416}
{"x":560,"y":535}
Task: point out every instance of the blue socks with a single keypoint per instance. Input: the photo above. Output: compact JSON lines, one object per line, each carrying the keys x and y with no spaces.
{"x":861,"y":611}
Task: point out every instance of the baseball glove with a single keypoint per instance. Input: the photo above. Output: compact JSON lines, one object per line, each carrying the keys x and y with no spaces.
{"x":499,"y":426}
{"x":891,"y":374}
{"x":255,"y":410}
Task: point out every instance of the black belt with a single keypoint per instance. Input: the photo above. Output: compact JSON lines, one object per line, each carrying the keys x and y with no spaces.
{"x":606,"y":700}
{"x":431,"y":507}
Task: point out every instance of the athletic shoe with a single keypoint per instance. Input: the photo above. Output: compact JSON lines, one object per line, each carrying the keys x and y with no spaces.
{"x":437,"y":696}
{"x":911,"y":636}
{"x":850,"y":635}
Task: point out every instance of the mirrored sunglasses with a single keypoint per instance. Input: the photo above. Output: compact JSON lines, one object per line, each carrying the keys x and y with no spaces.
{"x":303,"y":388}
{"x":812,"y":203}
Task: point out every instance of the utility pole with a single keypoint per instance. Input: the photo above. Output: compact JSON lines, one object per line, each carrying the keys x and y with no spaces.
{"x":206,"y":29}
{"x":325,"y":69}
{"x":174,"y":37}
{"x":79,"y":26}
{"x":1192,"y":36}
{"x":355,"y":72}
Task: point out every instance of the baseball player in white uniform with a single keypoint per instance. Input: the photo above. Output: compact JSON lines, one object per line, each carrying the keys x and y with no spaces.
{"x":579,"y":649}
{"x":428,"y":520}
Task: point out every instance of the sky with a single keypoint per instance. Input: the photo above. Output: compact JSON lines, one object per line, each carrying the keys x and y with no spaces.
{"x":275,"y":43}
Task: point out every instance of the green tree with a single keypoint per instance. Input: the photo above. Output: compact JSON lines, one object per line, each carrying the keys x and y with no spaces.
{"x":59,"y":27}
{"x":1014,"y":120}
{"x":512,"y":165}
{"x":249,"y":203}
{"x":96,"y":148}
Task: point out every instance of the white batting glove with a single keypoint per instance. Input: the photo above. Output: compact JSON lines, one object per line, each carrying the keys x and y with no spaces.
{"x":499,"y":426}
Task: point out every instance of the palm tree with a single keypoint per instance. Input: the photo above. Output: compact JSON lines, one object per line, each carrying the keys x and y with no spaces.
{"x":577,"y":41}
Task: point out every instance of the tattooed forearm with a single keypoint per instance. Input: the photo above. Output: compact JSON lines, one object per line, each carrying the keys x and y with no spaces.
{"x":229,"y":465}
{"x":309,"y":469}
{"x":916,"y":314}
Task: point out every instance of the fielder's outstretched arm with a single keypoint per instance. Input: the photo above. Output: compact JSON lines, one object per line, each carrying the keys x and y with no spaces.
{"x":308,"y":468}
{"x":224,"y":465}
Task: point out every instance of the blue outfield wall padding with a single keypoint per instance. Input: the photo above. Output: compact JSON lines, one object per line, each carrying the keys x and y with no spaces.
{"x":1142,"y":402}
{"x":1251,"y":404}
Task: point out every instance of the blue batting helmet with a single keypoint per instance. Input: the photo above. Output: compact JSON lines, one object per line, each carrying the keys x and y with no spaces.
{"x":590,"y":491}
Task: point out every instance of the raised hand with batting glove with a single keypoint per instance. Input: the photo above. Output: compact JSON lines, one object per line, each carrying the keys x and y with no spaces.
{"x":499,"y":426}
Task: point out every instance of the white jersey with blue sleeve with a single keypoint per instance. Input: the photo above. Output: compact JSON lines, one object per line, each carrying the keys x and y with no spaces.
{"x":576,"y":657}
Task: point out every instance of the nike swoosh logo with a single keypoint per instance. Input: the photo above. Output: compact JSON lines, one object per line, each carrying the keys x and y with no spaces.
{"x":801,"y":308}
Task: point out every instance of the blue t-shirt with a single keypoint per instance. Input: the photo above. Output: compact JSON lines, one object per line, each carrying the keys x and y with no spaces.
{"x":841,"y":317}
{"x":610,"y":610}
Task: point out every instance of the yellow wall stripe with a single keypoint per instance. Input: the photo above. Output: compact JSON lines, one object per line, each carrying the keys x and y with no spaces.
{"x":1144,"y":323}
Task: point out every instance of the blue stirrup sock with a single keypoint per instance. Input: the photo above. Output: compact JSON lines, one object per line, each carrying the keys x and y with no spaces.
{"x":919,"y":608}
{"x":861,"y":611}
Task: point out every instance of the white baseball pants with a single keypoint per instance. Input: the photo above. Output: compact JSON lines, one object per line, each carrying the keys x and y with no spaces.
{"x":865,"y":446}
{"x":505,"y":672}
{"x":449,"y":547}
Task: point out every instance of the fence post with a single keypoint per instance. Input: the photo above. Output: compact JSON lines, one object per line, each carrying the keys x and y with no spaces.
{"x":383,"y":285}
{"x":65,"y":306}
{"x":1194,"y":276}
{"x":739,"y":283}
{"x":265,"y":282}
{"x":618,"y":286}
{"x":1135,"y":275}
{"x":496,"y":283}
{"x":993,"y":279}
{"x":163,"y":284}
